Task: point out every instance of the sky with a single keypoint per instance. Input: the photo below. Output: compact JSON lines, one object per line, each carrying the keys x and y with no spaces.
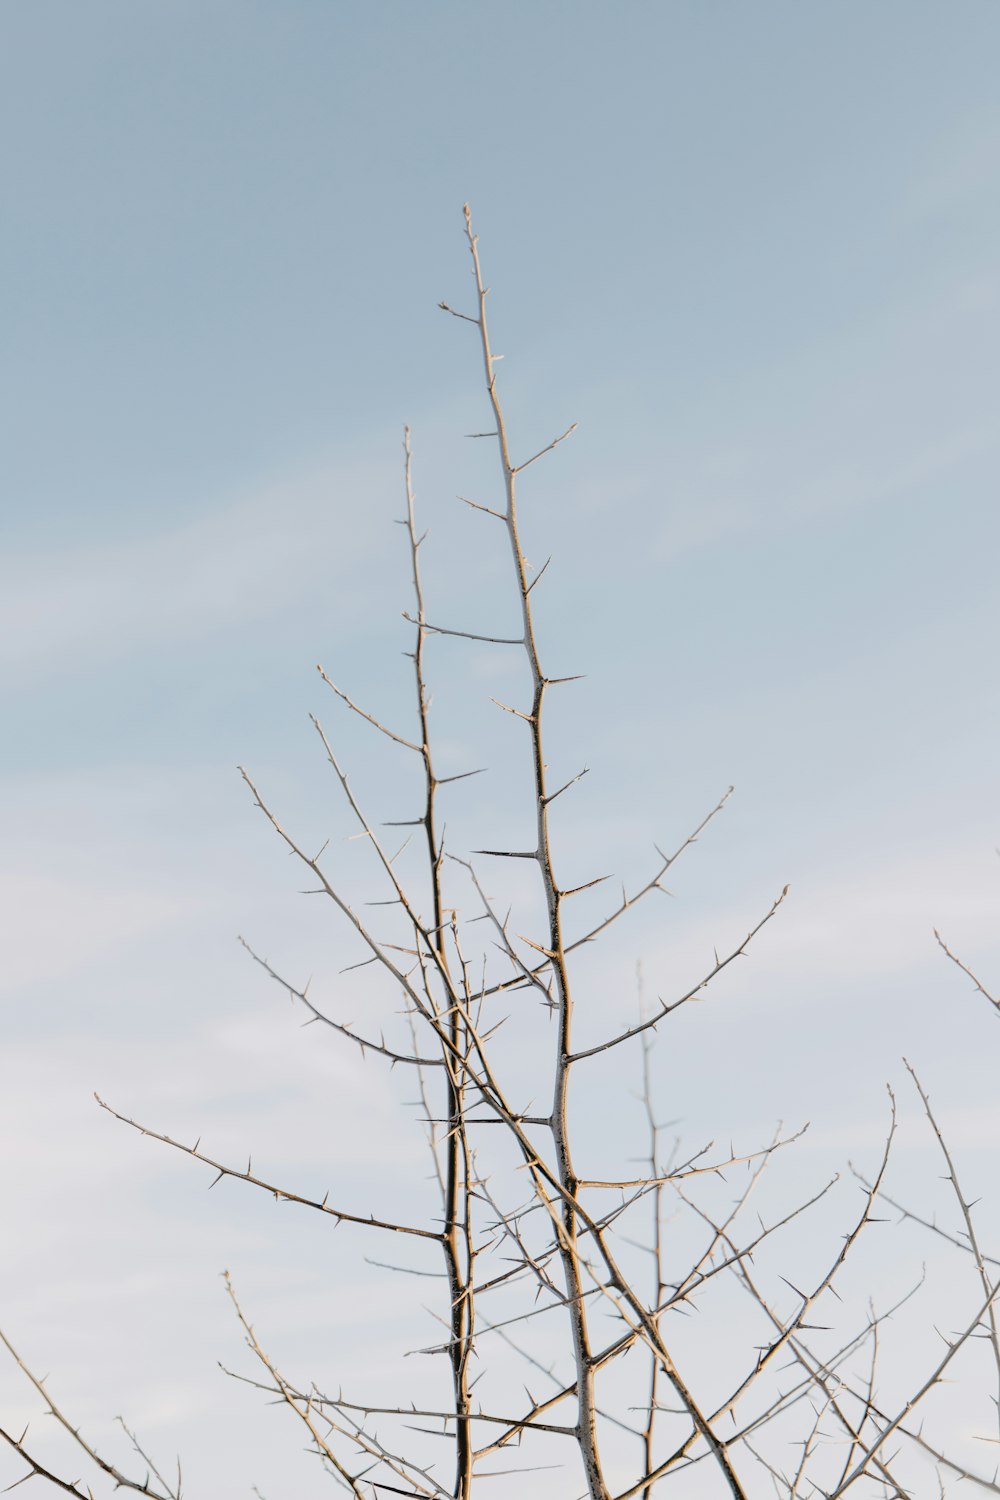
{"x":752,"y":250}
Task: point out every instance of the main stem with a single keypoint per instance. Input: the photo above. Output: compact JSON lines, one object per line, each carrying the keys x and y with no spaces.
{"x":562,"y":995}
{"x":456,"y":1177}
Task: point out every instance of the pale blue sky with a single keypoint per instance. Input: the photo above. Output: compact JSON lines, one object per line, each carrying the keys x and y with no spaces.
{"x":754,"y":250}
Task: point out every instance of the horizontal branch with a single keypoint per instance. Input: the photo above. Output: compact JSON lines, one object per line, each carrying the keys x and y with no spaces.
{"x":363,"y":714}
{"x":994,"y":1001}
{"x":666,"y":1008}
{"x":444,"y":306}
{"x":445,"y":1416}
{"x":508,"y":853}
{"x":547,"y":449}
{"x":279,"y":1193}
{"x":465,"y":635}
{"x":461,"y":776}
{"x":486,"y":509}
{"x":365,"y":1043}
{"x":550,"y":797}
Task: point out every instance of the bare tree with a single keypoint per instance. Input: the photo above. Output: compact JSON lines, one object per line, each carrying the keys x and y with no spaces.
{"x":587,"y":1285}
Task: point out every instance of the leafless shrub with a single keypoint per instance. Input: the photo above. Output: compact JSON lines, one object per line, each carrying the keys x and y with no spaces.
{"x":587,"y":1287}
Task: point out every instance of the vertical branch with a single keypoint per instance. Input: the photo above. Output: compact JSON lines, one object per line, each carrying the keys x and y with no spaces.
{"x":659,"y":1284}
{"x":572,"y":1212}
{"x":993,"y":1331}
{"x":562,"y":995}
{"x":457,"y":1202}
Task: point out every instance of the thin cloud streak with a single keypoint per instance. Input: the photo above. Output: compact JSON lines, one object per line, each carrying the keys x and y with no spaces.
{"x":63,"y":611}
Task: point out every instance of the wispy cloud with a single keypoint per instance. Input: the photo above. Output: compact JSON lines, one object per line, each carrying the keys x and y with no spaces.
{"x":63,"y":608}
{"x":58,"y":926}
{"x":755,"y":488}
